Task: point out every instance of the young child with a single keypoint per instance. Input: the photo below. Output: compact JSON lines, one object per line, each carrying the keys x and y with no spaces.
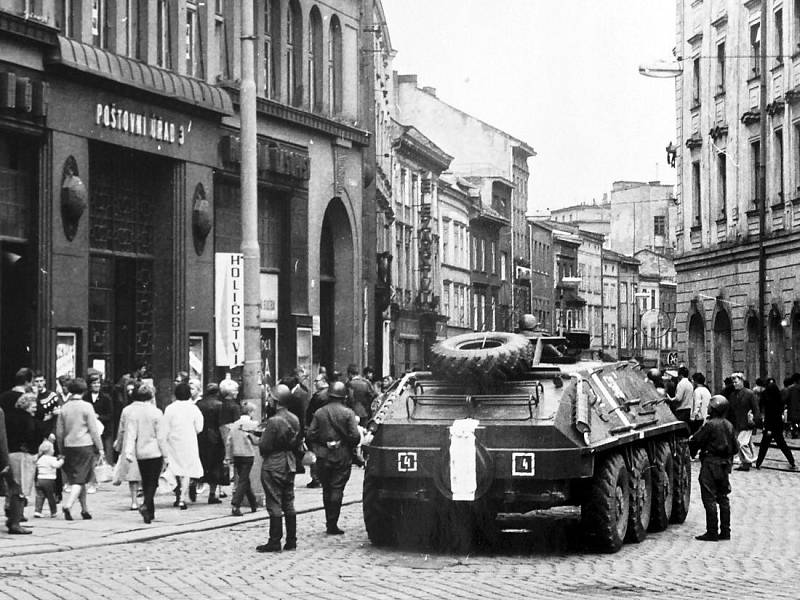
{"x":47,"y":466}
{"x":240,"y":450}
{"x":717,"y":444}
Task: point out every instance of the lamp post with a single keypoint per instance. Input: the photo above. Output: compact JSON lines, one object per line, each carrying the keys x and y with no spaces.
{"x":251,"y":372}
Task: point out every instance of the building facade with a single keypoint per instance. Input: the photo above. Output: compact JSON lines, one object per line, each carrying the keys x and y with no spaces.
{"x":456,"y":205}
{"x":124,"y":156}
{"x":542,"y":278}
{"x":738,"y":214}
{"x":416,"y":322}
{"x":486,"y":153}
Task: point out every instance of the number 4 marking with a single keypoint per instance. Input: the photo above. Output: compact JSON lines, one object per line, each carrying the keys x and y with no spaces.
{"x":523,"y":464}
{"x":406,"y":462}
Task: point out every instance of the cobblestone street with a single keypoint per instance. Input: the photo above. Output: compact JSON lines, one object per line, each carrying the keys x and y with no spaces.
{"x":759,"y":562}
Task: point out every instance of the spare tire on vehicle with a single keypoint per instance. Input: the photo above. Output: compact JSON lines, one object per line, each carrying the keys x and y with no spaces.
{"x":492,"y":354}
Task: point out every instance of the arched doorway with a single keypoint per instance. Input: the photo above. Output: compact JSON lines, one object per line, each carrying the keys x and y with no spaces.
{"x":795,"y":348}
{"x":752,"y":331}
{"x":337,"y":305}
{"x":776,"y":349}
{"x":723,"y":355}
{"x":697,"y":344}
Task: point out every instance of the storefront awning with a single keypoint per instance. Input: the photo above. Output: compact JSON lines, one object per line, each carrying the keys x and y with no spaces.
{"x":139,"y":75}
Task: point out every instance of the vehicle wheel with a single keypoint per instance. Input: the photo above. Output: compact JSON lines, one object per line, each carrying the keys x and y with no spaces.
{"x":493,"y":354}
{"x":682,"y":477}
{"x":663,"y":487}
{"x":455,"y":533}
{"x":604,"y":515}
{"x":641,"y":484}
{"x":487,"y":528}
{"x":415,"y":524}
{"x":378,"y":515}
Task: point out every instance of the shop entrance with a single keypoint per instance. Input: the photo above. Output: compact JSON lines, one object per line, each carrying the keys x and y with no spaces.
{"x":129,"y":218}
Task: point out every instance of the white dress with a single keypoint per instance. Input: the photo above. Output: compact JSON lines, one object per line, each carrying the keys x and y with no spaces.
{"x":183,"y":421}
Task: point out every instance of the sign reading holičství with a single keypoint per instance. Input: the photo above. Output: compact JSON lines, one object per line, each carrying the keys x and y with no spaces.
{"x":229,"y":308}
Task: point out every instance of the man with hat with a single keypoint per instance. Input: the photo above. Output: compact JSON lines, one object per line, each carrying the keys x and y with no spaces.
{"x":743,"y":414}
{"x":279,"y":442}
{"x":333,"y":435}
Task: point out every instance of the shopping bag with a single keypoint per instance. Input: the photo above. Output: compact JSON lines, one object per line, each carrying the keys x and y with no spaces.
{"x":167,"y":482}
{"x":103,"y":472}
{"x":116,"y":478}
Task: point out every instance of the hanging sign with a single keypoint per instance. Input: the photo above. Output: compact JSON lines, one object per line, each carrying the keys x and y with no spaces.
{"x":229,"y":308}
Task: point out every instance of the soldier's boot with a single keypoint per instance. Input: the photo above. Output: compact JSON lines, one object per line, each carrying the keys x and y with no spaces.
{"x":275,"y":535}
{"x":14,"y":514}
{"x":291,"y":532}
{"x":332,"y":527}
{"x":724,"y":520}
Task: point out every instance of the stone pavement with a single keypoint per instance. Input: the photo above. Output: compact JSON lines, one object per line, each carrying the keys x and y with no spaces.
{"x":114,"y":523}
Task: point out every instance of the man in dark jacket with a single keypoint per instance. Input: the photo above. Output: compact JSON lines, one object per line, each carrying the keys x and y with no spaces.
{"x":743,"y":414}
{"x":717,"y":445}
{"x":279,"y":442}
{"x":333,"y":435}
{"x":362,"y":393}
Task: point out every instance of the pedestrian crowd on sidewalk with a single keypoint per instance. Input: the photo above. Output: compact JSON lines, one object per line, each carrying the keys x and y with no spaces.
{"x":58,"y":445}
{"x":722,"y":427}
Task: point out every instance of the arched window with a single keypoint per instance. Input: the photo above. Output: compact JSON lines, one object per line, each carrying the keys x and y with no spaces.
{"x":272,"y":34}
{"x":315,"y":60}
{"x":335,"y":66}
{"x":294,"y":54}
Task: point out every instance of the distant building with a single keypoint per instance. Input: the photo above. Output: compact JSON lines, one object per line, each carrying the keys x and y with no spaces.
{"x":542,"y":264}
{"x":588,"y":217}
{"x":643,"y":217}
{"x":457,"y":201}
{"x":485,"y":152}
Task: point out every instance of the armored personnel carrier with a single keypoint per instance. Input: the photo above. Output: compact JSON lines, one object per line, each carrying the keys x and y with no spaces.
{"x":506,"y":424}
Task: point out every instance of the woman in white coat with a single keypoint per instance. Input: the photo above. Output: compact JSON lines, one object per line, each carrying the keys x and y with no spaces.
{"x":183,"y":421}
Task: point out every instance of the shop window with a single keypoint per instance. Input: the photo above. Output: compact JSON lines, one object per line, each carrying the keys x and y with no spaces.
{"x":294,"y":53}
{"x":755,"y":49}
{"x":194,"y":46}
{"x":272,"y":21}
{"x":315,"y":60}
{"x":335,"y":59}
{"x":163,"y":38}
{"x":100,"y":20}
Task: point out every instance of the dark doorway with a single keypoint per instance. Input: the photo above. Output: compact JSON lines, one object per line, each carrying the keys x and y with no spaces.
{"x":337,"y":304}
{"x":18,"y":260}
{"x":723,"y":353}
{"x":129,"y":215}
{"x":17,"y":289}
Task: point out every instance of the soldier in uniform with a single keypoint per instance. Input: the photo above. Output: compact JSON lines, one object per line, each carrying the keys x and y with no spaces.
{"x":333,"y":435}
{"x":717,"y":444}
{"x":279,"y":442}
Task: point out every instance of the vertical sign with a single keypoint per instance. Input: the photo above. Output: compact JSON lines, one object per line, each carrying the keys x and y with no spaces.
{"x":66,"y":354}
{"x":229,"y":308}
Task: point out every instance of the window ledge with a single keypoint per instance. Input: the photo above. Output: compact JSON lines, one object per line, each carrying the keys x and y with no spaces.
{"x":695,"y":228}
{"x":722,"y":220}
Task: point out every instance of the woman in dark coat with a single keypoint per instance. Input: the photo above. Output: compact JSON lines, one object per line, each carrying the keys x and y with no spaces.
{"x":210,"y":442}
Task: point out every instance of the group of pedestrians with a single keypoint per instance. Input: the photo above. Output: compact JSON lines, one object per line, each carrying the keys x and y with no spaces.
{"x":724,"y":436}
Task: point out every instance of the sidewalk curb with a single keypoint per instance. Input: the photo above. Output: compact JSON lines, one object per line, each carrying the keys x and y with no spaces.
{"x":210,"y":525}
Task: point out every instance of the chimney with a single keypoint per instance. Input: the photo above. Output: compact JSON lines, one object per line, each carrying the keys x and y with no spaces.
{"x":407,"y":79}
{"x":429,"y":90}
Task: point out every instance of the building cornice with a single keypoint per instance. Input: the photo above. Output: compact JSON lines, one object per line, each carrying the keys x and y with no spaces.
{"x":28,"y":29}
{"x":707,"y":258}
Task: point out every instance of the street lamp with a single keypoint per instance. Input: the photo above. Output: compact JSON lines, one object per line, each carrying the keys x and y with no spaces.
{"x":661,"y":69}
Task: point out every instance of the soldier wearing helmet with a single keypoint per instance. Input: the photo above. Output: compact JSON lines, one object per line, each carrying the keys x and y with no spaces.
{"x":333,"y":435}
{"x":279,"y":443}
{"x":716,"y":442}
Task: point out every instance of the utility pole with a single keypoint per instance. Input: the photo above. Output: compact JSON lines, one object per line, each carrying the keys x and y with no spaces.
{"x":762,"y":199}
{"x":251,"y":373}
